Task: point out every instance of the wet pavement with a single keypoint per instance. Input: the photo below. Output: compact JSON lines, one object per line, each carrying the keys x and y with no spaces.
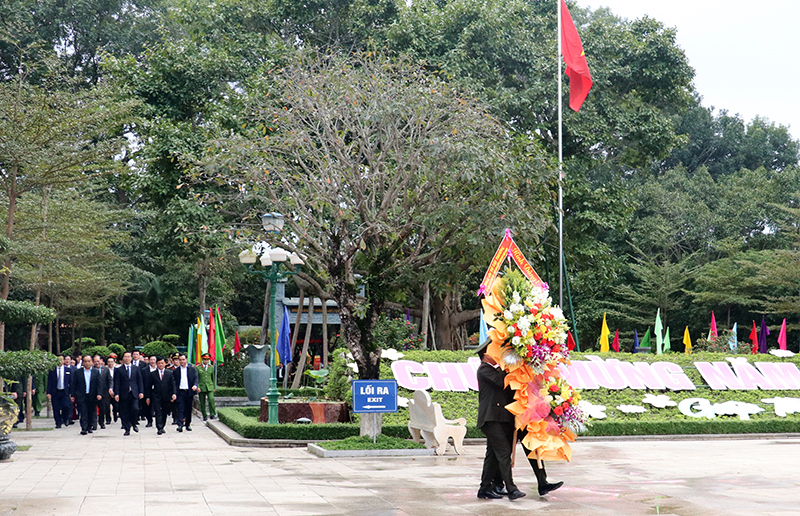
{"x":197,"y":473}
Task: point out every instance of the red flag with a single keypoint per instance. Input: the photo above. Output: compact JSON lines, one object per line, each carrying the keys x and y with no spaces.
{"x":754,"y":338}
{"x":713,"y":332}
{"x":570,"y":341}
{"x":580,"y":80}
{"x":782,"y":336}
{"x":615,"y":344}
{"x":212,"y":341}
{"x":237,"y":346}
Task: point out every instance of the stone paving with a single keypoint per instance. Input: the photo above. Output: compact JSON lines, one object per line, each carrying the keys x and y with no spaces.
{"x":197,"y":473}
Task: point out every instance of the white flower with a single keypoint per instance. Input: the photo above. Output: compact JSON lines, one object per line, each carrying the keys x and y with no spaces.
{"x":631,"y":409}
{"x":507,"y":315}
{"x":515,"y":297}
{"x":557,"y":312}
{"x":517,"y":308}
{"x":593,"y":411}
{"x":660,"y":401}
{"x":516,"y":340}
{"x":559,"y":399}
{"x":548,"y":399}
{"x":524,"y":324}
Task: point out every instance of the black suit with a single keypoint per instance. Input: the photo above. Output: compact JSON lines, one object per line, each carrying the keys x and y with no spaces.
{"x":62,"y":406}
{"x":160,"y":392}
{"x":185,"y":396}
{"x":128,"y":386}
{"x":497,"y":424}
{"x":106,"y":383}
{"x":144,"y":409}
{"x":87,"y":402}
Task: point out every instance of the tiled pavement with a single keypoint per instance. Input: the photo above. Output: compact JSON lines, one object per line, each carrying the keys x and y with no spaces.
{"x":197,"y":474}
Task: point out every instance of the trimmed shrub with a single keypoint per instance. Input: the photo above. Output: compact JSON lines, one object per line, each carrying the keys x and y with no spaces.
{"x":117,"y":349}
{"x":231,"y":372}
{"x":171,"y":338}
{"x":103,"y":351}
{"x":159,"y":348}
{"x":85,"y":342}
{"x":18,"y":364}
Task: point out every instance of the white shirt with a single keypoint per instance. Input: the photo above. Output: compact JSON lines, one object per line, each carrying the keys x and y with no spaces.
{"x":87,"y":376}
{"x":184,"y":378}
{"x":60,"y":385}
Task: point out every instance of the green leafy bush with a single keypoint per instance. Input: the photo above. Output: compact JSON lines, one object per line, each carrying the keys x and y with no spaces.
{"x":103,"y":351}
{"x":382,"y":442}
{"x":117,"y":349}
{"x":231,"y":373}
{"x":171,"y":338}
{"x":159,"y":348}
{"x":721,"y":344}
{"x":396,"y":333}
{"x":85,"y":342}
{"x":339,"y":378}
{"x":18,"y":364}
{"x":25,"y":312}
{"x":250,"y":336}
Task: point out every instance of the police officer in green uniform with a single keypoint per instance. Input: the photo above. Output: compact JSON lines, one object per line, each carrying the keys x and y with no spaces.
{"x":205,"y":381}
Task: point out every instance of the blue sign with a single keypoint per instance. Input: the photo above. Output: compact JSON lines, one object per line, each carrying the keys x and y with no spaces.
{"x":374,"y":396}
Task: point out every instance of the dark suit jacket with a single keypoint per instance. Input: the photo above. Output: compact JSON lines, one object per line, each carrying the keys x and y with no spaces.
{"x":191,"y":375}
{"x":79,"y":385}
{"x":124,"y":386}
{"x":493,"y":396}
{"x":161,"y":390}
{"x":105,"y":382}
{"x":52,"y":380}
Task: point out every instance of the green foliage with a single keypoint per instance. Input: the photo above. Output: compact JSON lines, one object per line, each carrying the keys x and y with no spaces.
{"x":721,"y":344}
{"x":25,"y":312}
{"x":396,"y":334}
{"x":103,"y":351}
{"x":770,"y":425}
{"x":19,"y":364}
{"x":171,"y":338}
{"x":85,"y":342}
{"x":231,"y":373}
{"x":339,"y":378}
{"x":383,"y":442}
{"x":159,"y":348}
{"x":117,"y":349}
{"x":250,"y":336}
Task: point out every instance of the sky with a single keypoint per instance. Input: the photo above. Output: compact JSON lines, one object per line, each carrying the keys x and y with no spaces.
{"x":746,"y":54}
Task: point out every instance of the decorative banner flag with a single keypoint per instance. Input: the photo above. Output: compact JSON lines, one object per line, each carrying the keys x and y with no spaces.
{"x":782,"y":336}
{"x":604,"y":333}
{"x":615,"y":344}
{"x":646,"y":339}
{"x":284,"y":347}
{"x":202,"y":339}
{"x":734,"y":337}
{"x":221,"y":340}
{"x":659,"y":335}
{"x":570,"y":341}
{"x":508,"y":249}
{"x":635,"y":341}
{"x":713,"y":331}
{"x":687,"y":342}
{"x":483,"y":331}
{"x":580,"y":79}
{"x":212,"y":335}
{"x":667,"y":345}
{"x":762,"y":336}
{"x":191,"y":349}
{"x":754,"y":338}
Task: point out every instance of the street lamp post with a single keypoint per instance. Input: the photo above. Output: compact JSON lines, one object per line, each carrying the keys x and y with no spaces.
{"x":271,"y":260}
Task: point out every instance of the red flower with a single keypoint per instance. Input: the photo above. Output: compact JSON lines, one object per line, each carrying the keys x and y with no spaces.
{"x":556,"y":349}
{"x":565,"y":405}
{"x":538,"y":335}
{"x":517,"y":331}
{"x":558,"y":411}
{"x":534,"y":311}
{"x":554,"y":388}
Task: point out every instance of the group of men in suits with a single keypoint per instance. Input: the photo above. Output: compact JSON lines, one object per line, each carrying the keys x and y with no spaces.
{"x":497,"y":424}
{"x":134,"y":390}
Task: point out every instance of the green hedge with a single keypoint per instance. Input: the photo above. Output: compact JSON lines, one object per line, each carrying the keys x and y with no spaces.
{"x":696,"y":426}
{"x":240,"y":392}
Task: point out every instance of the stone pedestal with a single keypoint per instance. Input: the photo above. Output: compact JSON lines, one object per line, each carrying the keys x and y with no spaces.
{"x":371,"y":425}
{"x":318,"y":412}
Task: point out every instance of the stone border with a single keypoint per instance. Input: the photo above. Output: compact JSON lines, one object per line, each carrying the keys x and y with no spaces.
{"x":319,"y":451}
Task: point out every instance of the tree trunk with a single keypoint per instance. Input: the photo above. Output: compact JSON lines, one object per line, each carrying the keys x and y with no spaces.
{"x":102,"y":325}
{"x":72,"y":336}
{"x":301,"y":362}
{"x":325,"y":333}
{"x":6,"y":283}
{"x":426,"y":313}
{"x":288,"y":365}
{"x":368,"y":362}
{"x":58,"y":335}
{"x":448,"y":320}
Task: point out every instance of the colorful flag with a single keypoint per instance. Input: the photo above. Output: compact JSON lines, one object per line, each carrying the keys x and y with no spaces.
{"x":762,"y":336}
{"x":202,"y":339}
{"x":191,"y":349}
{"x":221,"y":340}
{"x":212,"y":335}
{"x":635,"y":341}
{"x":712,"y":332}
{"x":580,"y":79}
{"x":667,"y":345}
{"x":237,"y":344}
{"x":570,"y":341}
{"x":604,"y":333}
{"x":284,"y":346}
{"x":659,"y":335}
{"x":754,"y":338}
{"x":687,"y":342}
{"x":646,"y":339}
{"x":483,"y":331}
{"x":782,"y":336}
{"x":734,"y":337}
{"x":615,"y":344}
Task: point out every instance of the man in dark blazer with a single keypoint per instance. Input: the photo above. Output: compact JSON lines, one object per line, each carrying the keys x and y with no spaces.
{"x":186,"y":384}
{"x":161,"y":392}
{"x":497,"y":424}
{"x":128,"y":391}
{"x":106,"y":387}
{"x":59,"y":385}
{"x":86,"y":393}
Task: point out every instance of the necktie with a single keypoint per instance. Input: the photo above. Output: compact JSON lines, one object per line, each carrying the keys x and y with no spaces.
{"x":129,"y":371}
{"x":161,"y":374}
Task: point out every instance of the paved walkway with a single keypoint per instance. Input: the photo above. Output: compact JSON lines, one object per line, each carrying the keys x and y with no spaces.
{"x":197,"y":474}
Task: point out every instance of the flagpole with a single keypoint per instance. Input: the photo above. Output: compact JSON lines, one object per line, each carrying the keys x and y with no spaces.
{"x":560,"y":175}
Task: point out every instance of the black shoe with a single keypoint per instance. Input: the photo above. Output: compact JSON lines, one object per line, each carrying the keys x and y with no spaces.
{"x":205,"y":418}
{"x":160,"y":432}
{"x":102,"y":426}
{"x":213,"y":417}
{"x":188,"y":428}
{"x":83,"y":432}
{"x":115,"y":416}
{"x":149,"y":425}
{"x":513,"y":495}
{"x":15,"y":425}
{"x":500,"y":490}
{"x":58,"y":426}
{"x":547,"y":487}
{"x":180,"y":428}
{"x":136,"y":428}
{"x":91,"y":431}
{"x":94,"y":427}
{"x":127,"y":432}
{"x":36,"y":414}
{"x":488,"y":494}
